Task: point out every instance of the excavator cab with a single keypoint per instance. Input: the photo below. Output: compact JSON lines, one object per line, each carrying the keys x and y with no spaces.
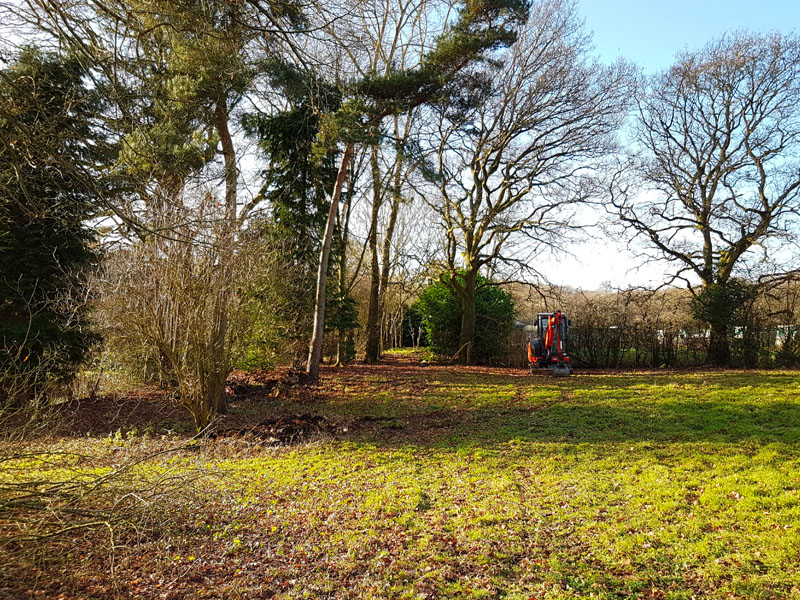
{"x":548,"y":350}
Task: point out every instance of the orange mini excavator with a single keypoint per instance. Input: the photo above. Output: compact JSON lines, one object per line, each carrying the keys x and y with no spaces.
{"x":548,"y":350}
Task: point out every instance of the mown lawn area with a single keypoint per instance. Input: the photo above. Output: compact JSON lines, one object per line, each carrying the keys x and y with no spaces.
{"x":453,"y":482}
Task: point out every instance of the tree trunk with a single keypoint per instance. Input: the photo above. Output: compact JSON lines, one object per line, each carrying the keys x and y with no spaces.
{"x":380,"y":282}
{"x":466,"y":341}
{"x":372,"y":353}
{"x":387,"y":240}
{"x":318,"y":333}
{"x":719,"y":351}
{"x":343,"y":355}
{"x":220,"y":340}
{"x":655,"y":360}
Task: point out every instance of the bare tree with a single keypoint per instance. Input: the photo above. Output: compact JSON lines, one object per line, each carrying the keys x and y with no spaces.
{"x":523,"y":144}
{"x":384,"y":37}
{"x":479,"y":28}
{"x":718,"y":155}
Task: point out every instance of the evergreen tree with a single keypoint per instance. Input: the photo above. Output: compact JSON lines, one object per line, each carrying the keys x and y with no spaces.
{"x":295,"y":181}
{"x":295,"y":185}
{"x":50,"y":153}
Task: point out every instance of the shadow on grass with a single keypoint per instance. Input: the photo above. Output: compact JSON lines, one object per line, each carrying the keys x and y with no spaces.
{"x":674,"y":422}
{"x":400,"y":405}
{"x":471,"y":409}
{"x":394,"y":374}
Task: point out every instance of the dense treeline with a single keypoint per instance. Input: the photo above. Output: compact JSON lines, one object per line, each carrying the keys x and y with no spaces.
{"x":212,"y":184}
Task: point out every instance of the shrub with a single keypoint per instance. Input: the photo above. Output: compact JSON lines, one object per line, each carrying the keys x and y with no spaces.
{"x":175,"y":309}
{"x":441,"y":310}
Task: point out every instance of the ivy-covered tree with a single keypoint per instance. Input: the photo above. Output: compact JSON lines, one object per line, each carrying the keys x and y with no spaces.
{"x":50,"y":156}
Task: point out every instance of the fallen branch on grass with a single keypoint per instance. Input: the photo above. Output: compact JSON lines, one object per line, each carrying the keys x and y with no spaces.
{"x":42,"y":508}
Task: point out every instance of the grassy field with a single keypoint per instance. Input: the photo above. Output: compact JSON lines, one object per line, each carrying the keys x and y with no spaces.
{"x":450,"y":482}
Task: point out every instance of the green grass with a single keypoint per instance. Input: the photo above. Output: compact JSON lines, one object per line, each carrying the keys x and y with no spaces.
{"x":488,"y":484}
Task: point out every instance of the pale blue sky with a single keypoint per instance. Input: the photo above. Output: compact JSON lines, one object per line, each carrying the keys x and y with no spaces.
{"x":651,"y":33}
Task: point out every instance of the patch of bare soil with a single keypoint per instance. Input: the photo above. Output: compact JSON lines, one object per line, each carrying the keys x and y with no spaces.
{"x":140,"y":409}
{"x":241,"y":384}
{"x":284,"y":430}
